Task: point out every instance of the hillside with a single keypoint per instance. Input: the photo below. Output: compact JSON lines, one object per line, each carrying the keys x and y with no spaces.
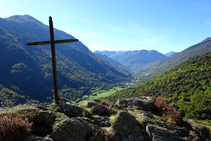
{"x":187,"y":85}
{"x":171,"y":53}
{"x":27,"y":69}
{"x":112,"y":61}
{"x":135,"y":60}
{"x":162,"y":66}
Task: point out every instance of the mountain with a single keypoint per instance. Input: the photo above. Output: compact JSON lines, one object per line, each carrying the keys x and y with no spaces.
{"x":135,"y":60}
{"x":116,"y":63}
{"x":161,"y":66}
{"x":187,"y":85}
{"x":171,"y":53}
{"x":28,"y":71}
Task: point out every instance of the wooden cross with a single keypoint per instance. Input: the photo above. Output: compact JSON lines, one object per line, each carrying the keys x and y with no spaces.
{"x":53,"y":42}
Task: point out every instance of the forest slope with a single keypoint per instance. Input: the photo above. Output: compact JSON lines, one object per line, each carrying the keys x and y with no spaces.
{"x":135,"y":60}
{"x":29,"y":69}
{"x":162,"y":66}
{"x":187,"y":85}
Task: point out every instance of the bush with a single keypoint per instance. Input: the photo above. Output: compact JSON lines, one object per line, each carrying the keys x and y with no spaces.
{"x":109,"y":136}
{"x":12,"y":127}
{"x":106,"y":103}
{"x":193,"y":136}
{"x":167,"y":109}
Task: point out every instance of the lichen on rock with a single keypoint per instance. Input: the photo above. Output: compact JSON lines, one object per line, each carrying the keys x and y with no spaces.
{"x":75,"y":129}
{"x":146,"y":104}
{"x":127,"y":128}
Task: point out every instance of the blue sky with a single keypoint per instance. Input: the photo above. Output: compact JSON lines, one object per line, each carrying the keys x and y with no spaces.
{"x":162,"y":25}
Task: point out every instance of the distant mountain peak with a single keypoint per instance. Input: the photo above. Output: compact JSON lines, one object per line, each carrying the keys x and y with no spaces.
{"x":171,"y":53}
{"x":207,"y":39}
{"x":23,"y":18}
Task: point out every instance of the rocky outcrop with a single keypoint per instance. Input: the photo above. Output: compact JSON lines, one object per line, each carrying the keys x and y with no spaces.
{"x":134,"y":119}
{"x":70,"y":110}
{"x":127,"y":128}
{"x":43,"y":123}
{"x":163,"y":132}
{"x":75,"y":129}
{"x":97,"y":109}
{"x":102,"y":121}
{"x":201,"y":130}
{"x":144,"y":103}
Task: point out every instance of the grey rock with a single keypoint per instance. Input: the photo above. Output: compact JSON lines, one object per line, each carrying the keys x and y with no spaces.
{"x":202,"y":130}
{"x":100,"y":110}
{"x":180,"y":131}
{"x":70,"y":110}
{"x":102,"y":121}
{"x":196,"y":126}
{"x":166,"y":132}
{"x":91,"y":104}
{"x":127,"y":128}
{"x":146,"y":103}
{"x":75,"y":129}
{"x":45,"y":118}
{"x":144,"y":117}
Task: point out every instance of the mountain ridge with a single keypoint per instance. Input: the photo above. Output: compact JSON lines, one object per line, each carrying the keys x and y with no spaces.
{"x":135,"y":60}
{"x":186,"y":85}
{"x":77,"y":67}
{"x":164,"y":65}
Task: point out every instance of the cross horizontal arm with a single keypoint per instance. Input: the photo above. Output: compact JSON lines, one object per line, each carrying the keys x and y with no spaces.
{"x":49,"y":42}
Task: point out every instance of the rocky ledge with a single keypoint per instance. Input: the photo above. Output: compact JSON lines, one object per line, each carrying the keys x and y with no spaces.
{"x":134,"y":119}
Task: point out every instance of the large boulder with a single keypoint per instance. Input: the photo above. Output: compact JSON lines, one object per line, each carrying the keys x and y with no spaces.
{"x":144,"y":117}
{"x":45,"y":118}
{"x":70,"y":110}
{"x":91,"y":104}
{"x":43,"y":122}
{"x":97,"y":109}
{"x":75,"y":129}
{"x":144,"y":103}
{"x":102,"y":121}
{"x":201,"y":130}
{"x":161,"y":131}
{"x":127,"y":128}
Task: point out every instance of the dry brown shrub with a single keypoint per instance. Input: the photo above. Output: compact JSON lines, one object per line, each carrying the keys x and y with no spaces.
{"x":106,"y":103}
{"x":167,"y":109}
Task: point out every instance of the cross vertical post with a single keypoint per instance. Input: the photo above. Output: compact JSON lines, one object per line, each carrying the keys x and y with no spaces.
{"x":53,"y":52}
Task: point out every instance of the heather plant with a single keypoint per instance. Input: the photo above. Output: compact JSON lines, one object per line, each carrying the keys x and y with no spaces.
{"x":25,"y":114}
{"x":12,"y":127}
{"x":167,"y":109}
{"x":193,"y":136}
{"x":106,"y":103}
{"x":109,"y":136}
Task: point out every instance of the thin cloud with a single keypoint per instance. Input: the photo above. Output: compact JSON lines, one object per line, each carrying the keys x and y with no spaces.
{"x":154,"y":39}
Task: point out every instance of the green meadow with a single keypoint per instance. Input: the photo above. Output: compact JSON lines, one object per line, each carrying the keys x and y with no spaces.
{"x":99,"y":93}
